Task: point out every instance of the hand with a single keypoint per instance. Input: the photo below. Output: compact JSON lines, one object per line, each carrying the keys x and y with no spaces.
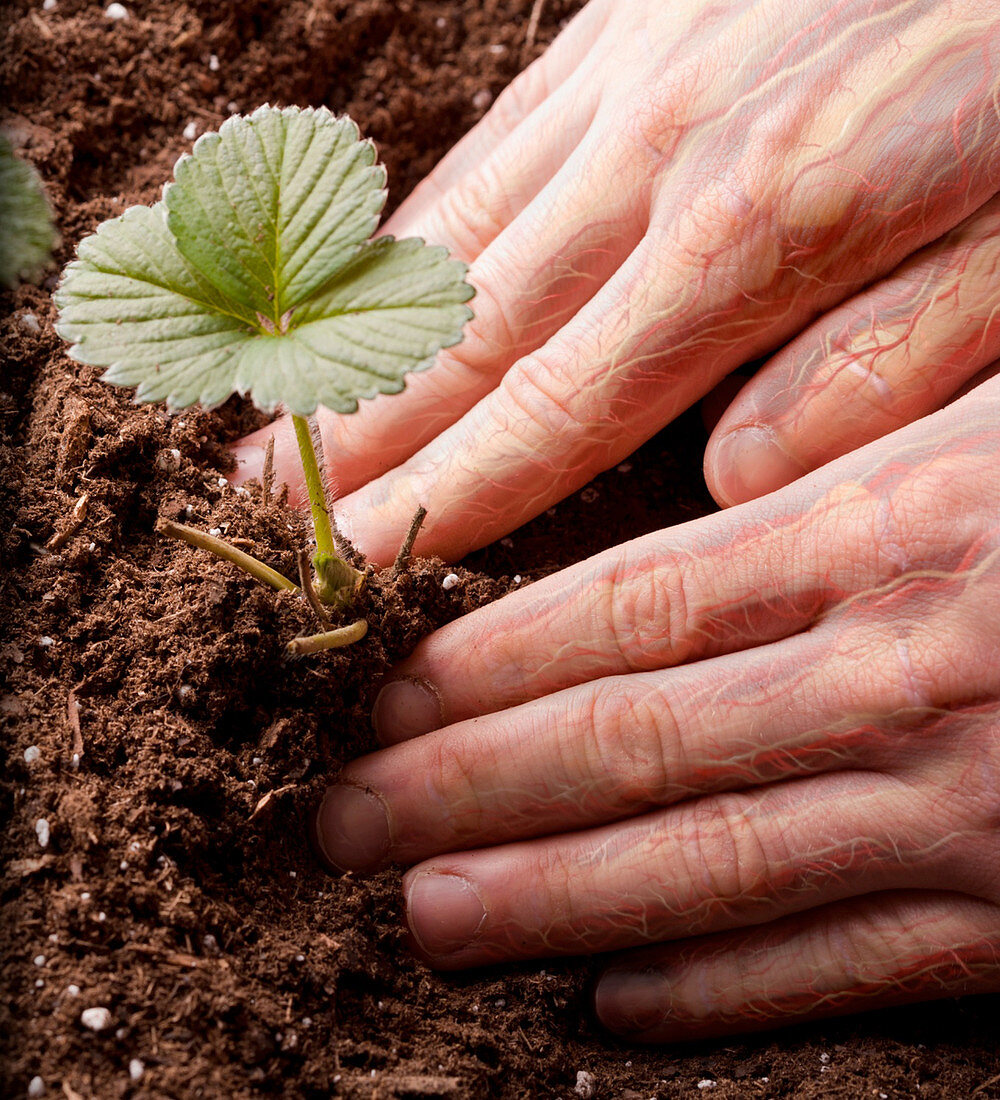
{"x":896,"y":352}
{"x":763,"y":746}
{"x":675,"y":189}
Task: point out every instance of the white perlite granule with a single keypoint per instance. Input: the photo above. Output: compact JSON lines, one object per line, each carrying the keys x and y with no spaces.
{"x":97,"y":1019}
{"x":586,"y":1085}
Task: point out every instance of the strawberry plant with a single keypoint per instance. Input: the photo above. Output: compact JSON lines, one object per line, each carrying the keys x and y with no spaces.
{"x":257,"y":274}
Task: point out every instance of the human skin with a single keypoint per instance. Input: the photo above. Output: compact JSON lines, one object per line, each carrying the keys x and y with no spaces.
{"x":673,"y":190}
{"x":764,"y":747}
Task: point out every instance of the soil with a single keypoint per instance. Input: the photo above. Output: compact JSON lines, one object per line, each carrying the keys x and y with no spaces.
{"x":175,"y":753}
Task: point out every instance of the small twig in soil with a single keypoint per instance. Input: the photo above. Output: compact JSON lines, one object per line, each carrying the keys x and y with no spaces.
{"x":60,"y":538}
{"x":985,"y":1085}
{"x":306,"y":583}
{"x":267,"y":474}
{"x":271,"y":796}
{"x":204,"y":541}
{"x":73,"y":716}
{"x":330,"y":639}
{"x":43,"y":28}
{"x":532,"y":32}
{"x":403,"y":557}
{"x":177,"y":958}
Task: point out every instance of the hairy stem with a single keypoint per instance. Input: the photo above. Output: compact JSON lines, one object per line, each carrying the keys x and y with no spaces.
{"x":331,"y":639}
{"x":338,"y":580}
{"x":315,"y":488}
{"x":203,"y":541}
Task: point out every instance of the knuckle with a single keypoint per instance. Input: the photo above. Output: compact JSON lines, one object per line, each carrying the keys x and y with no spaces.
{"x":647,"y":612}
{"x":489,"y":336}
{"x":867,"y":358}
{"x":537,"y":395}
{"x":851,"y":953}
{"x":475,"y":211}
{"x":453,"y":771}
{"x":545,"y":393}
{"x":631,"y":742}
{"x":730,"y":862}
{"x":519,"y":98}
{"x":907,"y":664}
{"x":656,"y":125}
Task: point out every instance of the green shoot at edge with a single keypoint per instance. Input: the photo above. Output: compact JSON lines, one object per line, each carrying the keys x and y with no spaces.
{"x":28,"y":235}
{"x":256,"y":274}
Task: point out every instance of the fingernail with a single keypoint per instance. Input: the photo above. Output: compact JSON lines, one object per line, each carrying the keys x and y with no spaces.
{"x":352,"y":828}
{"x":249,"y":463}
{"x":632,"y":1002}
{"x":445,"y":912}
{"x":748,"y":463}
{"x":406,"y":708}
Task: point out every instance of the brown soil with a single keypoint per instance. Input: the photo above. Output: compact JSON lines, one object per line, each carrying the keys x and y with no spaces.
{"x":178,"y":888}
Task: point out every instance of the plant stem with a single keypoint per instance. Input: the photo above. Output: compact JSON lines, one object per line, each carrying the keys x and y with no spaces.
{"x":315,"y":488}
{"x":267,"y":474}
{"x":203,"y":541}
{"x":306,"y":584}
{"x":331,"y":639}
{"x":403,"y":557}
{"x":338,"y":580}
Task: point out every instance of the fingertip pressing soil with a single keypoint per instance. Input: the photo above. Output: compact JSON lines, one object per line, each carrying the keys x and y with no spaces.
{"x":155,"y":736}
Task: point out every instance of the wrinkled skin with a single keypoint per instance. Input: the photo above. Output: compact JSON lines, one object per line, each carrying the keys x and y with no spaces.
{"x":767,"y":741}
{"x":763,"y":747}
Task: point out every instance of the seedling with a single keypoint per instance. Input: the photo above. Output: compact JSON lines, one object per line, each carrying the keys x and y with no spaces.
{"x":28,"y":237}
{"x":256,"y":274}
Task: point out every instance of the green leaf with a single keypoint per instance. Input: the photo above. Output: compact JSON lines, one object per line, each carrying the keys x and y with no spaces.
{"x":256,"y":275}
{"x":389,"y":312}
{"x":269,"y":206}
{"x":27,"y":236}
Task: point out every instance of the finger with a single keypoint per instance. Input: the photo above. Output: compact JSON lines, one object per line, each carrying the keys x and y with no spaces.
{"x":722,"y":862}
{"x":739,"y":257}
{"x":890,"y":355}
{"x":625,"y":745}
{"x":559,"y":415}
{"x":720,"y":584}
{"x":644,"y":348}
{"x":477,"y":206}
{"x":518,"y":104}
{"x":477,"y":190}
{"x":870,"y":953}
{"x":530,"y":277}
